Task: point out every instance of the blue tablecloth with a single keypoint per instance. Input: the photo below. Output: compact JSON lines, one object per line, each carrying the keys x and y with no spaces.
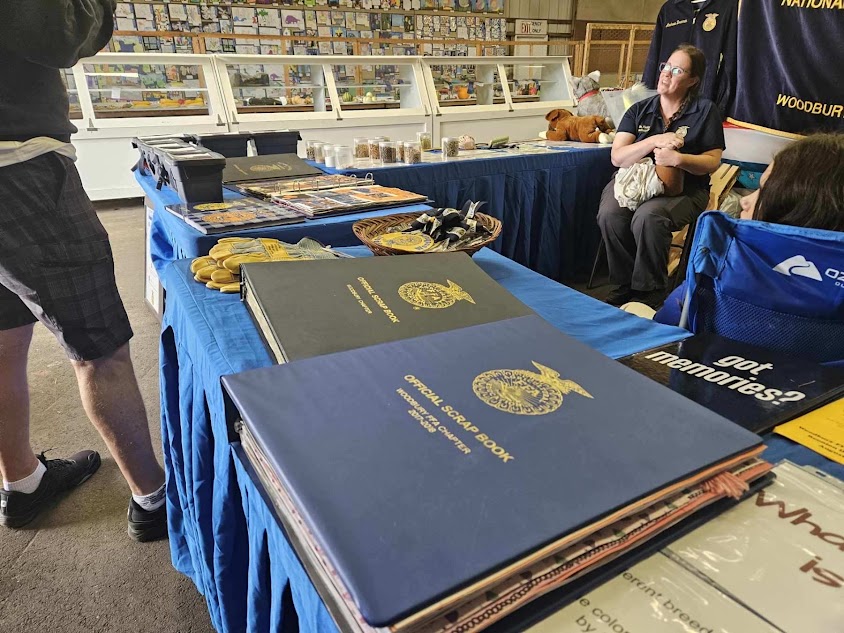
{"x":172,"y":238}
{"x":222,"y":533}
{"x":547,"y":202}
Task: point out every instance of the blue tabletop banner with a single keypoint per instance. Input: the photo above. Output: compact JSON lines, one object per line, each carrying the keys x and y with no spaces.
{"x":790,"y":79}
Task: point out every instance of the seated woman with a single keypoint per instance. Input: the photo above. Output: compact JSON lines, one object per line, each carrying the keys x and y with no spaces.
{"x":638,"y":241}
{"x":803,"y":186}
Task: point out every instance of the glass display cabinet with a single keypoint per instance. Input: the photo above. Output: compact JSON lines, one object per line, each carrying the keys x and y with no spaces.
{"x":494,"y":97}
{"x":119,"y":96}
{"x":332,"y":98}
{"x":72,"y":94}
{"x":262,"y":88}
{"x":473,"y":82}
{"x":539,"y":82}
{"x":389,"y":84}
{"x":139,"y":86}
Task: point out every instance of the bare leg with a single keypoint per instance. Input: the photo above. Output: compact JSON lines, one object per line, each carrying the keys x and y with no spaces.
{"x":16,"y":458}
{"x":113,"y":403}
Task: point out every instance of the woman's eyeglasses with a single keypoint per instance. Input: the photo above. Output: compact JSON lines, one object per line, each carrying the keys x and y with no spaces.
{"x":674,"y":71}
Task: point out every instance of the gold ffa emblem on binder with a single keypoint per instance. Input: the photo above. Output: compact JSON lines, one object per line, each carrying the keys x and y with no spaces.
{"x":270,"y":167}
{"x":213,"y":206}
{"x":229,"y":216}
{"x":425,"y":294}
{"x":523,"y":392}
{"x":410,"y":242}
{"x":710,"y":22}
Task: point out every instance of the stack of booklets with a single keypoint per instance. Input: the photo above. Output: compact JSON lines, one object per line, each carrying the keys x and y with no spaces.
{"x":347,"y":200}
{"x":441,"y":482}
{"x":240,"y":213}
{"x":755,"y":387}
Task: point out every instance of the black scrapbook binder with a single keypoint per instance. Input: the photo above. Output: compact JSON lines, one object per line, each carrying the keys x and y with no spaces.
{"x":268,"y":166}
{"x":755,"y":387}
{"x":320,"y":307}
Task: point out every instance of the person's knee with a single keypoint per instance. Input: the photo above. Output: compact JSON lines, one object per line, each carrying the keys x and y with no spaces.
{"x":648,"y":219}
{"x":116,"y":360}
{"x":14,"y":343}
{"x":612,"y":215}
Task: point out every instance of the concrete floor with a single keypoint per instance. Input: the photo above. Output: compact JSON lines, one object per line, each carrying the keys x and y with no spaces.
{"x":75,"y":569}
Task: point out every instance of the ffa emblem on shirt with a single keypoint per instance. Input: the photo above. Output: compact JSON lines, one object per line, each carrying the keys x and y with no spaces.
{"x":424,"y":294}
{"x":710,"y":22}
{"x":682,"y":131}
{"x":523,"y":392}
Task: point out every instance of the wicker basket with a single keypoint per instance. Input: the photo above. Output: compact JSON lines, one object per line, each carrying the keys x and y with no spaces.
{"x":366,"y":230}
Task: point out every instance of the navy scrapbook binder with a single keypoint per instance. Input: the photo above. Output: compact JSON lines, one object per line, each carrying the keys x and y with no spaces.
{"x":424,"y":464}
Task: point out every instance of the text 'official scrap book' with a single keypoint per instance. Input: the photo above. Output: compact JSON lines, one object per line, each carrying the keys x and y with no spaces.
{"x":442,"y":482}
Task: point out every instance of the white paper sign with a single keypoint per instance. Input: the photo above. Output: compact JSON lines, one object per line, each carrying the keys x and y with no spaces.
{"x":655,"y":596}
{"x":781,"y":552}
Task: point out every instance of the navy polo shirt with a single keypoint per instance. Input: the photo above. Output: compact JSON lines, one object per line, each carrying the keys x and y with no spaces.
{"x":701,"y":116}
{"x":712,"y":26}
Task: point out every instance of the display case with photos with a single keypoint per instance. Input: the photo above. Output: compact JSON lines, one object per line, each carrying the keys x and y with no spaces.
{"x":465,"y":82}
{"x":264,"y":87}
{"x":116,"y":89}
{"x":538,"y":82}
{"x":72,"y":94}
{"x":374,"y":84}
{"x":277,"y":87}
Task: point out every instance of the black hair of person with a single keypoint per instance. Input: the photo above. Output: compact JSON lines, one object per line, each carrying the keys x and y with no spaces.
{"x":806,"y":185}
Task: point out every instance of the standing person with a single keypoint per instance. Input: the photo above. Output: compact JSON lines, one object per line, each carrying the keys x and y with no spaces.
{"x":56,"y":267}
{"x":638,"y":242}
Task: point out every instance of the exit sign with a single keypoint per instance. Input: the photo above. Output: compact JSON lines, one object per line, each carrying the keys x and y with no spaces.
{"x":531,"y":27}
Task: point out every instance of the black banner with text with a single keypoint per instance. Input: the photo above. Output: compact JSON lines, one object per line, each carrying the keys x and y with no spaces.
{"x":790,"y":75}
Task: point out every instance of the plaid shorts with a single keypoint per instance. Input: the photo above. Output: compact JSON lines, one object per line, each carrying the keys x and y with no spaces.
{"x":56,"y":264}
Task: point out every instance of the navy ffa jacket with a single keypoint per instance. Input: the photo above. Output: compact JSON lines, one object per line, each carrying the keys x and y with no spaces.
{"x":712,"y":26}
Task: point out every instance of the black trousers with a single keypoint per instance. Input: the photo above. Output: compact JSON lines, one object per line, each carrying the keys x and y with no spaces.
{"x":638,"y":241}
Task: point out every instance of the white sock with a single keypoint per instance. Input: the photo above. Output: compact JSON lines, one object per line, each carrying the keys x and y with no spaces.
{"x":27,"y":485}
{"x":152,"y":501}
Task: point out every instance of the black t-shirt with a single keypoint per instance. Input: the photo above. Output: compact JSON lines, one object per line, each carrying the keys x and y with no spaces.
{"x":701,"y":117}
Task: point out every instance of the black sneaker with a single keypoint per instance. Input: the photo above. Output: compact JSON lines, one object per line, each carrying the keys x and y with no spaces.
{"x":18,"y":508}
{"x":147,"y":525}
{"x":652,"y":298}
{"x":619,"y":295}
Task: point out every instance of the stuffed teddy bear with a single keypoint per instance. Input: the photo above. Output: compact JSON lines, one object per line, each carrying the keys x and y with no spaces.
{"x":589,"y":99}
{"x":564,"y":126}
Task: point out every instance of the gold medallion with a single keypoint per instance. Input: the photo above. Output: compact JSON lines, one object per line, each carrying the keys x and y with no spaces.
{"x":425,"y":294}
{"x":410,"y":242}
{"x":229,"y":216}
{"x":523,"y":392}
{"x":214,"y":206}
{"x":710,"y":22}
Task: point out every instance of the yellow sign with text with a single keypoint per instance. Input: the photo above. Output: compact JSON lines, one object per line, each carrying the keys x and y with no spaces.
{"x":822,"y":430}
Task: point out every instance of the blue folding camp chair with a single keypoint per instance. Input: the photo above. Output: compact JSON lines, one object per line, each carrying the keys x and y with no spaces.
{"x":779,"y":287}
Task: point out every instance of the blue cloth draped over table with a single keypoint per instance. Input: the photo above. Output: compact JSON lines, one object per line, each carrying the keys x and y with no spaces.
{"x":173,"y":238}
{"x":547,"y":202}
{"x":222,"y":534}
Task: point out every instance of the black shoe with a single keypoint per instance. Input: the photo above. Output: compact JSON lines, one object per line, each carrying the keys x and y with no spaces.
{"x":651,"y":298}
{"x":147,"y":525}
{"x":619,"y":295}
{"x":18,"y":508}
